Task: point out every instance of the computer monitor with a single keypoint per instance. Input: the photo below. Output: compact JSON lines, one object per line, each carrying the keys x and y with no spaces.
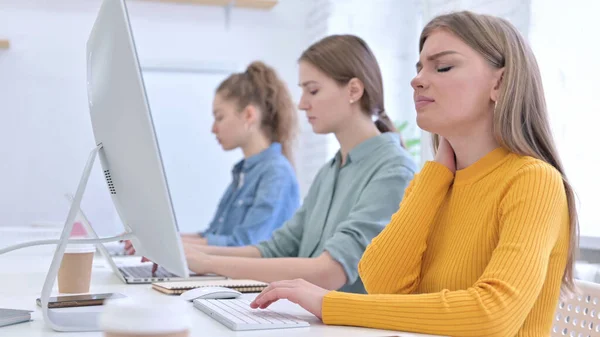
{"x":130,"y":155}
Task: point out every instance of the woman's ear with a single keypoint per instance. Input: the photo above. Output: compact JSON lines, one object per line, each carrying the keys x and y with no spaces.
{"x":498,"y":78}
{"x":250,"y":115}
{"x":356,"y":89}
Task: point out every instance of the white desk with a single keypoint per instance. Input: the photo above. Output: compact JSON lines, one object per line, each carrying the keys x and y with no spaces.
{"x":22,"y":275}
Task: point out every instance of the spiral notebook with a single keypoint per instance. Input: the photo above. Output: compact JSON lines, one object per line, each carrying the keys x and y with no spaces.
{"x":178,"y":287}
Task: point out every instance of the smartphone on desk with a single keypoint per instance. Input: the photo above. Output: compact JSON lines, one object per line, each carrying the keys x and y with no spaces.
{"x":68,"y":301}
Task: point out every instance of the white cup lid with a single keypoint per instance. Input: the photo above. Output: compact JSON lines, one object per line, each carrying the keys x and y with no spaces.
{"x":155,"y":315}
{"x":80,"y":248}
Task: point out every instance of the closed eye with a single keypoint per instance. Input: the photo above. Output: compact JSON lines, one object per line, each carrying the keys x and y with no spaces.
{"x":314,"y":92}
{"x":445,"y":69}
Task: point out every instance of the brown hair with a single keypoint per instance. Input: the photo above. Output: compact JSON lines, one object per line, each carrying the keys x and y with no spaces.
{"x":261,"y":87}
{"x":520,"y":117}
{"x":344,"y":57}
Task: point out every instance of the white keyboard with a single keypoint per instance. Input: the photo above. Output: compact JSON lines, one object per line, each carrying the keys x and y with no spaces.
{"x":237,"y":315}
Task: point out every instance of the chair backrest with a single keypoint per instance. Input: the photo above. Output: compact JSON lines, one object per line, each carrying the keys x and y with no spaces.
{"x":578,"y":315}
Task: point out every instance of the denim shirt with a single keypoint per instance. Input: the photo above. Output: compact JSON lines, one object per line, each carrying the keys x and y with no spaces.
{"x":263,"y":195}
{"x":347,"y":206}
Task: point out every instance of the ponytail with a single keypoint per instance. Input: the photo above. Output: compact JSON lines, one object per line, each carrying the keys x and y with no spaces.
{"x":385,"y":124}
{"x":261,"y":87}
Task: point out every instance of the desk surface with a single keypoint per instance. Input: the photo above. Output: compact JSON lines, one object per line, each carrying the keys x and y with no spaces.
{"x":22,"y":276}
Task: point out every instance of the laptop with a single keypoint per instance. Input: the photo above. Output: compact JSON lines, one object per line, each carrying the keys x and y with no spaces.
{"x":130,"y":269}
{"x":132,"y":272}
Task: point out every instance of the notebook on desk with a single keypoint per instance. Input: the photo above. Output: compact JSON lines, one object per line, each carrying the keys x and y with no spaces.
{"x":11,"y":316}
{"x":177,"y":288}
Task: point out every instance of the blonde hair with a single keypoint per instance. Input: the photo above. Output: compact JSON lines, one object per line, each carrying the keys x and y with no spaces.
{"x":520,"y":116}
{"x":260,"y":86}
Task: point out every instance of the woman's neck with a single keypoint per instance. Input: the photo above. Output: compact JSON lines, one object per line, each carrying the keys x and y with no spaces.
{"x":471,"y":148}
{"x":255,"y":145}
{"x":355,"y":133}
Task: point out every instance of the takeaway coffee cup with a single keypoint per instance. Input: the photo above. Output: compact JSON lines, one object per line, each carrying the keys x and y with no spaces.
{"x":75,"y":270}
{"x":146,"y":317}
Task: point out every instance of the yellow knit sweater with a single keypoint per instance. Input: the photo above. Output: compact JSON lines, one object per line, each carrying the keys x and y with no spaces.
{"x":481,"y":253}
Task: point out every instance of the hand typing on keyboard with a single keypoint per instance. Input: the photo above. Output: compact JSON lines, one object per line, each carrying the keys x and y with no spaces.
{"x":237,"y":315}
{"x":154,"y":265}
{"x":129,"y":250}
{"x":193,"y":253}
{"x":301,"y":292}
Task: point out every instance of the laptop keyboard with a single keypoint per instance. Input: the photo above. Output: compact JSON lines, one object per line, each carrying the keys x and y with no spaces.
{"x":145,"y":271}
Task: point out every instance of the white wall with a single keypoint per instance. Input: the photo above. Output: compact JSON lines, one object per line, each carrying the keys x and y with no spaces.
{"x":313,"y":149}
{"x":195,"y":165}
{"x":391,"y":29}
{"x":564,"y":53}
{"x":45,"y":133}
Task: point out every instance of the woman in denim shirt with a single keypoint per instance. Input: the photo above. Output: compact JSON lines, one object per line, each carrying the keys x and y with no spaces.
{"x":254,"y":111}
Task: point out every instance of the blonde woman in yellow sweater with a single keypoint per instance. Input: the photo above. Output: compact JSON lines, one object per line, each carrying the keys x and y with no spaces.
{"x":485,"y":235}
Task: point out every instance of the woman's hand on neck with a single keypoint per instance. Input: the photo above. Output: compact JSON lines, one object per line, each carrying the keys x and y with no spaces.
{"x":445,"y":155}
{"x":255,"y":144}
{"x":356,"y":131}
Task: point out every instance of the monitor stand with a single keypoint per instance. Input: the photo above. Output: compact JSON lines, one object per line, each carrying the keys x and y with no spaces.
{"x":85,"y":319}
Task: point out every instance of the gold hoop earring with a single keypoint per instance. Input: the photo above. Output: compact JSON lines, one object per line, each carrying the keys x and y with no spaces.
{"x":495,"y":106}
